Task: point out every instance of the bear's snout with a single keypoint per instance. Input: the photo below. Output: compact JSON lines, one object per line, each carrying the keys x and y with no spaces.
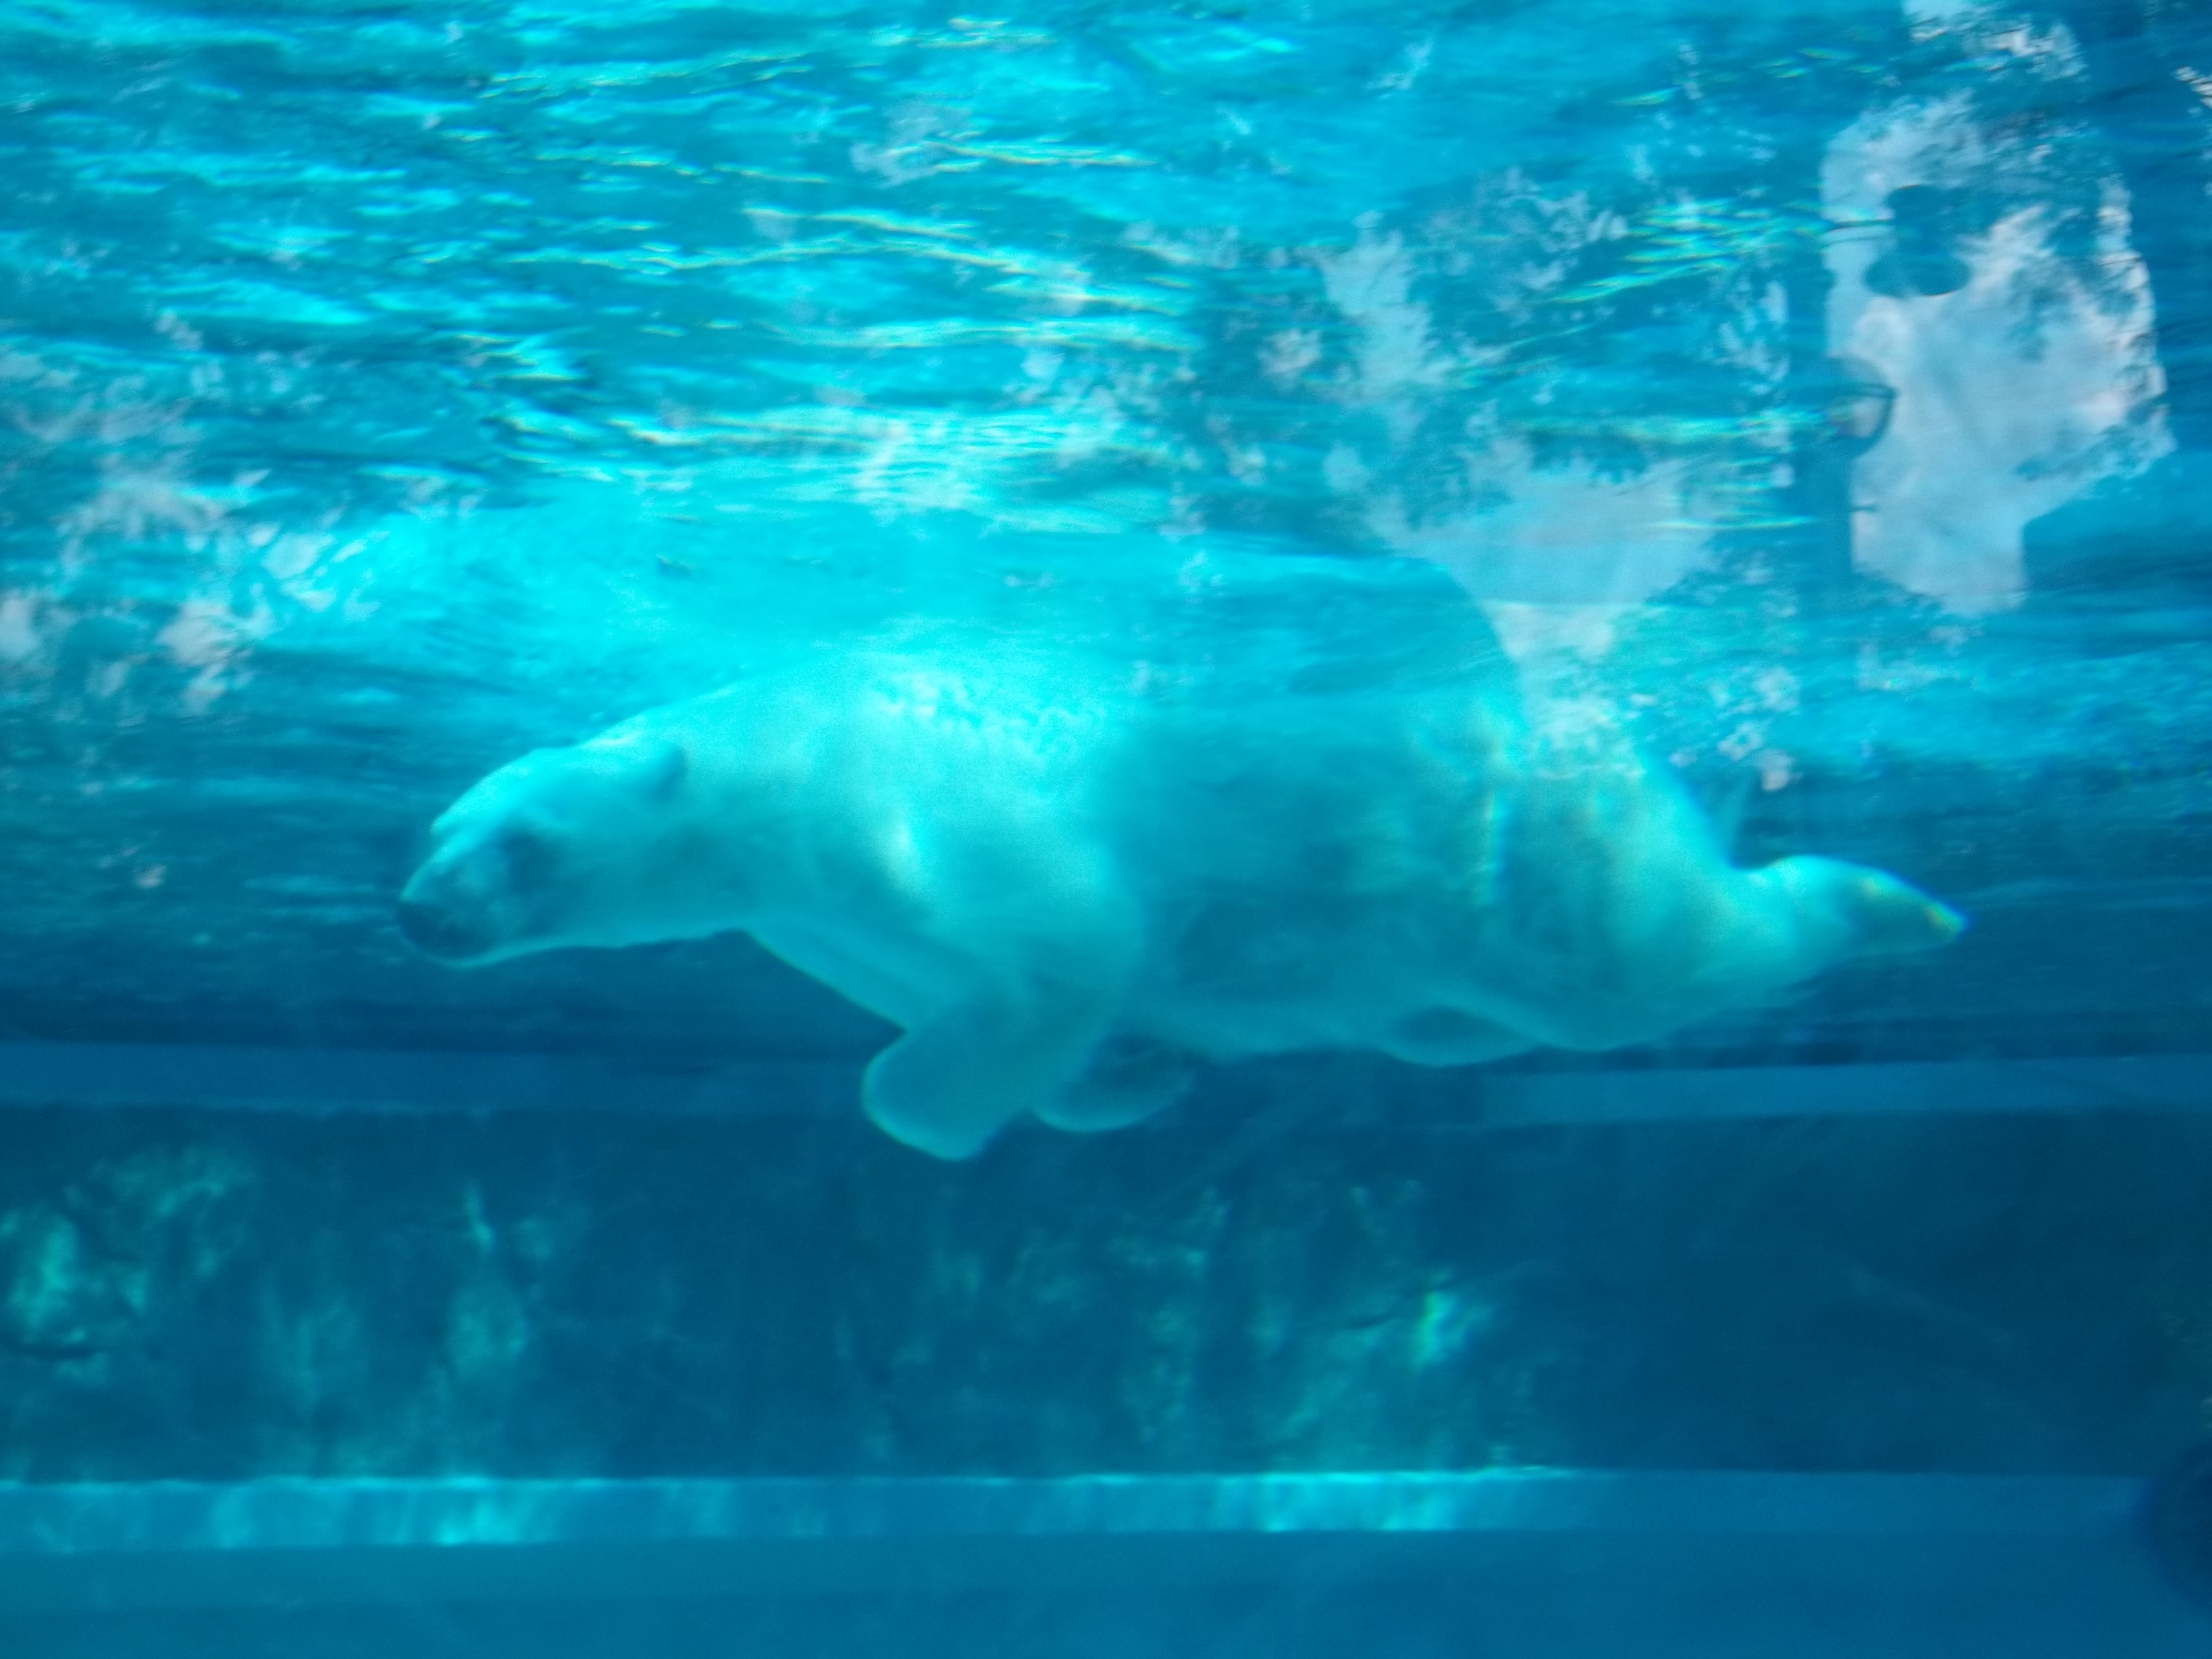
{"x":440,"y":922}
{"x":437,"y":931}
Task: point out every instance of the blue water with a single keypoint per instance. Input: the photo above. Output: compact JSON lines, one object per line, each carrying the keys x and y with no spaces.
{"x":393,"y":390}
{"x":1814,"y":399}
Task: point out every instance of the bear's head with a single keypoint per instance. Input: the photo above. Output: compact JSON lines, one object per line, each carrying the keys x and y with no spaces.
{"x":579,"y":845}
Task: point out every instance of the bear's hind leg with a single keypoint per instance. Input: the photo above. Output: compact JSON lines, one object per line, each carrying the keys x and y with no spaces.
{"x":1835,"y":911}
{"x":955,"y":1081}
{"x":1446,"y":1036}
{"x":1126,"y":1080}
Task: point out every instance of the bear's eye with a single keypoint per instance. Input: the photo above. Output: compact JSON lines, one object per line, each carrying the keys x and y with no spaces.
{"x":531,"y":858}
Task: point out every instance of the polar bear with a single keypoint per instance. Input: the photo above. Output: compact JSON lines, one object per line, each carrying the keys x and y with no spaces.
{"x":1071,"y":894}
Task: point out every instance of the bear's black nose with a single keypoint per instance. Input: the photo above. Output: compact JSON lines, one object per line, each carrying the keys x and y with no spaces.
{"x":435,"y":930}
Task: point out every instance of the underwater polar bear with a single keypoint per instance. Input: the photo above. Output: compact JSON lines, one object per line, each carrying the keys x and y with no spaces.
{"x":1071,"y":897}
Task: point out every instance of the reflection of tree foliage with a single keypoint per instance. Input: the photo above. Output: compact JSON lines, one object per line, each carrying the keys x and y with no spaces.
{"x":1655,"y":295}
{"x":1615,"y":302}
{"x":2023,"y":145}
{"x":1066,"y":270}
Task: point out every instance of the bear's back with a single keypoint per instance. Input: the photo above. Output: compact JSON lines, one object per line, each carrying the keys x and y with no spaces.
{"x":1313,"y":866}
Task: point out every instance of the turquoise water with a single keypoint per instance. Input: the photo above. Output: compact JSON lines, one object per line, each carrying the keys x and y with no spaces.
{"x":396,"y":390}
{"x":1802,"y":412}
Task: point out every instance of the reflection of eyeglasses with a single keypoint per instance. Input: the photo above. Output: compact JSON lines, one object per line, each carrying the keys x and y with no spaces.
{"x":1854,"y":402}
{"x":1859,"y":413}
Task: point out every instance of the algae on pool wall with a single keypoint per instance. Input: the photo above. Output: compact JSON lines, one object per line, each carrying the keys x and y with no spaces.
{"x":210,"y":1296}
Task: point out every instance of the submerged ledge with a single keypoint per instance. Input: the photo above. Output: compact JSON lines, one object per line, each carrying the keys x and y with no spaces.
{"x":381,"y":1080}
{"x":1510,"y":1563}
{"x":122,"y":1518}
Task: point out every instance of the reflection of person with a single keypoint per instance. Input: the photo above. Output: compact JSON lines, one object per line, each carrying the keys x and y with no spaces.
{"x":2017,"y":384}
{"x":1923,"y":256}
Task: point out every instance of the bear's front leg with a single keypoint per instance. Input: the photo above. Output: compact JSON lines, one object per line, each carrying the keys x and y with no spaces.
{"x":955,"y":1079}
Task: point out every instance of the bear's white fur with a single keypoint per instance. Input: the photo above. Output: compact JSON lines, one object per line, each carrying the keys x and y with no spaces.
{"x":1069,"y":895}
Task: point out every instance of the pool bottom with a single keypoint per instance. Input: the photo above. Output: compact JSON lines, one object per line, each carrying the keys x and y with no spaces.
{"x":1504,"y":1564}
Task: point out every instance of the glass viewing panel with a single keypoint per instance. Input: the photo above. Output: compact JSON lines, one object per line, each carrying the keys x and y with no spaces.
{"x":1140,"y":829}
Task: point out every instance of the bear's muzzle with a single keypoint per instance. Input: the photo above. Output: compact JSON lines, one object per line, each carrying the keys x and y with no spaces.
{"x":438,"y":927}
